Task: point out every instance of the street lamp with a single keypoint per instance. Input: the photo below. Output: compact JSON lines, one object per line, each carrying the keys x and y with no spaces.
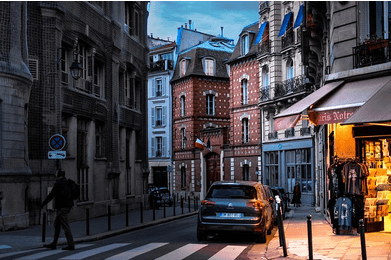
{"x":76,"y":68}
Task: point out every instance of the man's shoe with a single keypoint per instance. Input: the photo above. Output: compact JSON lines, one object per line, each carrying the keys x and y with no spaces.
{"x":68,"y":248}
{"x":51,"y":246}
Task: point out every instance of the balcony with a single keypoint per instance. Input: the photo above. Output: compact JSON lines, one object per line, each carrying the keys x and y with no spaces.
{"x":162,"y":65}
{"x":291,"y":86}
{"x":264,"y":47}
{"x":264,"y":7}
{"x":371,"y":52}
{"x":265,"y":94}
{"x":288,"y":39}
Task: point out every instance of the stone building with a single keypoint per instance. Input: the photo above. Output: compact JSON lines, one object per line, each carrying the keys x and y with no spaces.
{"x":101,"y":113}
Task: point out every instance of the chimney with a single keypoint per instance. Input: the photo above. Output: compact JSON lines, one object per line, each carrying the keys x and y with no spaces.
{"x":168,"y":38}
{"x":222,"y":28}
{"x":186,"y":25}
{"x":151,"y":35}
{"x":190,"y":24}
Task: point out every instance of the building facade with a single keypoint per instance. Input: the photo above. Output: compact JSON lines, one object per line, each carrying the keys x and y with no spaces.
{"x":101,"y":115}
{"x":162,"y":57}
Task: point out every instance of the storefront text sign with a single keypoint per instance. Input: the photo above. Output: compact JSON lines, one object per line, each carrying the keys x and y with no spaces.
{"x":332,"y":116}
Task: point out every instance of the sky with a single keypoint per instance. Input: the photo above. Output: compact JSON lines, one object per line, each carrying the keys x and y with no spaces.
{"x":165,"y":17}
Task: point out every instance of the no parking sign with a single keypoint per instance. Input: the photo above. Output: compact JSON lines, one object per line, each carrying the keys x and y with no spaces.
{"x":57,"y":143}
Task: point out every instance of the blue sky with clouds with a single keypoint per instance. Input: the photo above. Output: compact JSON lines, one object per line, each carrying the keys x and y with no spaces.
{"x":207,"y":16}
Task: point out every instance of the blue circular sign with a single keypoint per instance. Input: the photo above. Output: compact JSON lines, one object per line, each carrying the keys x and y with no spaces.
{"x":57,"y":142}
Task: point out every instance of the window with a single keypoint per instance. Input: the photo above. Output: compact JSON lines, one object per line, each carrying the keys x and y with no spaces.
{"x":183,"y":67}
{"x":265,"y":77}
{"x":159,"y":146}
{"x":244,"y":92}
{"x":379,"y":16}
{"x":246,"y":172}
{"x":209,"y":67}
{"x":158,"y":116}
{"x":83,"y":60}
{"x":99,"y":148}
{"x":245,"y":44}
{"x":210,"y":104}
{"x":183,"y":177}
{"x":159,"y":87}
{"x":98,"y":79}
{"x":245,"y":131}
{"x":82,"y":155}
{"x":271,"y":168}
{"x":298,"y":164}
{"x":127,"y":162}
{"x":129,"y":89}
{"x":183,"y":103}
{"x":289,"y":76}
{"x":132,"y":19}
{"x":183,"y":138}
{"x":64,"y":61}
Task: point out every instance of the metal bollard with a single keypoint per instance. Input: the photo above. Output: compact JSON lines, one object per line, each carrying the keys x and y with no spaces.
{"x":309,"y":228}
{"x":43,"y":226}
{"x":188,"y":202}
{"x":153,"y":210}
{"x":141,"y":212}
{"x":182,"y":204}
{"x":127,"y":215}
{"x":173,"y":207}
{"x":362,"y":236}
{"x":87,"y":221}
{"x":281,"y":231}
{"x":109,"y":218}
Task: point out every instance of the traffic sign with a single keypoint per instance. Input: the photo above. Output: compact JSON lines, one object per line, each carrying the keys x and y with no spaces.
{"x":57,"y":142}
{"x":57,"y":154}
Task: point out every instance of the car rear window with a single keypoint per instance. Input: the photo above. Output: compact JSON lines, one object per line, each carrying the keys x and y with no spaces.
{"x":228,"y":192}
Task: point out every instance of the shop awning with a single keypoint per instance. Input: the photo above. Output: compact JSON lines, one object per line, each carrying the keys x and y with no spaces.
{"x":342,"y":103}
{"x":260,"y":33}
{"x":376,"y":110}
{"x":284,"y":24}
{"x":299,"y":17}
{"x":296,"y":109}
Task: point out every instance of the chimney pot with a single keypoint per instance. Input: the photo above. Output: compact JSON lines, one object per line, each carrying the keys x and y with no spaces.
{"x":222,"y":29}
{"x":186,"y":25}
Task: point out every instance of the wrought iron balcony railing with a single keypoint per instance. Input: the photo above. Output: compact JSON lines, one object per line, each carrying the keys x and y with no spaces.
{"x":288,"y":39}
{"x":264,"y":47}
{"x":371,"y":53}
{"x":265,"y":94}
{"x":162,"y":65}
{"x":290,"y":86}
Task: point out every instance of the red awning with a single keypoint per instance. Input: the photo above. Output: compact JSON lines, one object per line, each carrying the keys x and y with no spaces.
{"x":286,"y":122}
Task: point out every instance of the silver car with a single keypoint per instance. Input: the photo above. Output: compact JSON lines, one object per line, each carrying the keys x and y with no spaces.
{"x":235,"y":206}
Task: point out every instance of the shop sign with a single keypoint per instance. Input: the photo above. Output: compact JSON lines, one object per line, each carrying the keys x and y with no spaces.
{"x":331,"y":116}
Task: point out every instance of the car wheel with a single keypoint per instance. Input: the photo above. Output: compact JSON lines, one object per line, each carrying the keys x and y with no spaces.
{"x":262,"y":237}
{"x":201,"y":235}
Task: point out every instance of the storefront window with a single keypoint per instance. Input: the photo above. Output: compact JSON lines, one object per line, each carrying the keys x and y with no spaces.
{"x":271,"y":168}
{"x":298,"y":168}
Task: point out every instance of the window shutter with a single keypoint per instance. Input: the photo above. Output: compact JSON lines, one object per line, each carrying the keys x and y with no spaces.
{"x":90,"y":68}
{"x":164,"y":145}
{"x":153,"y":147}
{"x":153,"y":116}
{"x":153,"y":91}
{"x":164,"y":115}
{"x":164,"y":86}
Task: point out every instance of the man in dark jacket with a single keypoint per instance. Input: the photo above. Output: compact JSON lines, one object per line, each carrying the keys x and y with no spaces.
{"x":63,"y":205}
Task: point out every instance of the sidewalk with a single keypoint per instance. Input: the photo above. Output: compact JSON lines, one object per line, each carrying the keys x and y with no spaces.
{"x":32,"y":236}
{"x":325,"y":244}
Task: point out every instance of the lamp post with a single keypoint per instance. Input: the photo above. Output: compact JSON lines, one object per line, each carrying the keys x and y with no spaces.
{"x":76,"y":68}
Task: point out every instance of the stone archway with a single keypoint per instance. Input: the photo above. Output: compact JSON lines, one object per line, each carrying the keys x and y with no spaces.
{"x":212,"y":169}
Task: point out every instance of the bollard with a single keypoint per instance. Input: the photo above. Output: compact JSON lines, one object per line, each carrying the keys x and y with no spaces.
{"x":195,"y":199}
{"x":164,"y":209}
{"x":153,"y":210}
{"x":362,"y":236}
{"x":43,"y":226}
{"x":182,"y":204}
{"x":109,"y":218}
{"x":141,"y":213}
{"x":87,"y":221}
{"x":281,"y":231}
{"x":309,"y":228}
{"x":127,"y":215}
{"x":188,"y":202}
{"x":173,"y":208}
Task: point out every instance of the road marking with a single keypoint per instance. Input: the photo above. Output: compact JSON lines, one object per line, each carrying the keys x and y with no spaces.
{"x":228,"y":252}
{"x":182,"y":252}
{"x":94,"y":251}
{"x":137,"y":251}
{"x":4,"y":247}
{"x":18,"y":252}
{"x":47,"y":253}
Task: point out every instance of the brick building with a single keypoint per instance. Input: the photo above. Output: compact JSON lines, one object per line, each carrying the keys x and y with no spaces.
{"x":200,"y":110}
{"x":101,"y":115}
{"x":242,"y":159}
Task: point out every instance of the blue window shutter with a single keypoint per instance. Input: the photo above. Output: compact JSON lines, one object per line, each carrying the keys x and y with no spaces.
{"x":153,"y":94}
{"x":284,"y":24}
{"x":153,"y":147}
{"x":299,"y":17}
{"x":164,"y":146}
{"x":164,"y":86}
{"x":153,"y":116}
{"x":260,"y":33}
{"x":164,"y":112}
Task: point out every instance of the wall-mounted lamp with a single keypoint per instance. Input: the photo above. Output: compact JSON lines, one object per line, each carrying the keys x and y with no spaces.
{"x":76,"y":68}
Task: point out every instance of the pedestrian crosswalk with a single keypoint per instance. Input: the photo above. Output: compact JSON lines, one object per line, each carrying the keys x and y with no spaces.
{"x":124,"y":251}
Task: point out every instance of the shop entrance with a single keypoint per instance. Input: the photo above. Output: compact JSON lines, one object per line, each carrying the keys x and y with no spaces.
{"x":160,"y":176}
{"x":212,"y":169}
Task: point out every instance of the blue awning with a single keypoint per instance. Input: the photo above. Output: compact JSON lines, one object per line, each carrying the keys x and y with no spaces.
{"x":299,"y":17}
{"x":260,"y":33}
{"x":284,"y":24}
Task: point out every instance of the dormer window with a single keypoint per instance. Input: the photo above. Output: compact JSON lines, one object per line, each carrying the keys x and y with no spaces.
{"x":209,"y":66}
{"x":245,"y":44}
{"x":183,"y":67}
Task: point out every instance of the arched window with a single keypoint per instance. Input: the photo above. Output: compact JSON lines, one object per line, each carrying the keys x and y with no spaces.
{"x":245,"y":131}
{"x":289,"y":76}
{"x":183,"y":67}
{"x":209,"y":67}
{"x":183,"y":138}
{"x":244,"y":92}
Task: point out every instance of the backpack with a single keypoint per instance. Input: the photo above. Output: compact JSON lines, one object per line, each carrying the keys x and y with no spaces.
{"x":74,"y":189}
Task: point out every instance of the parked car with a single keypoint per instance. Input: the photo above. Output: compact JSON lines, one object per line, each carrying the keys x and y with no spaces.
{"x":240,"y":206}
{"x":160,"y":196}
{"x":273,"y":203}
{"x":278,"y":196}
{"x":284,"y":198}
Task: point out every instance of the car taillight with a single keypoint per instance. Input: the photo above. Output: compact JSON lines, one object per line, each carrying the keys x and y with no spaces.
{"x":208,"y":203}
{"x":251,"y":204}
{"x":255,"y":205}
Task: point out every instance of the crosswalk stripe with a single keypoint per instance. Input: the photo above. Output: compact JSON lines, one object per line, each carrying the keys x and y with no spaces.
{"x":136,"y":251}
{"x":4,"y":247}
{"x":95,"y":251}
{"x":47,"y":253}
{"x":228,"y":252}
{"x":18,"y":252}
{"x":182,"y":252}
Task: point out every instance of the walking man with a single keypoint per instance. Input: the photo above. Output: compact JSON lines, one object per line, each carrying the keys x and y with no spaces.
{"x":63,"y":205}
